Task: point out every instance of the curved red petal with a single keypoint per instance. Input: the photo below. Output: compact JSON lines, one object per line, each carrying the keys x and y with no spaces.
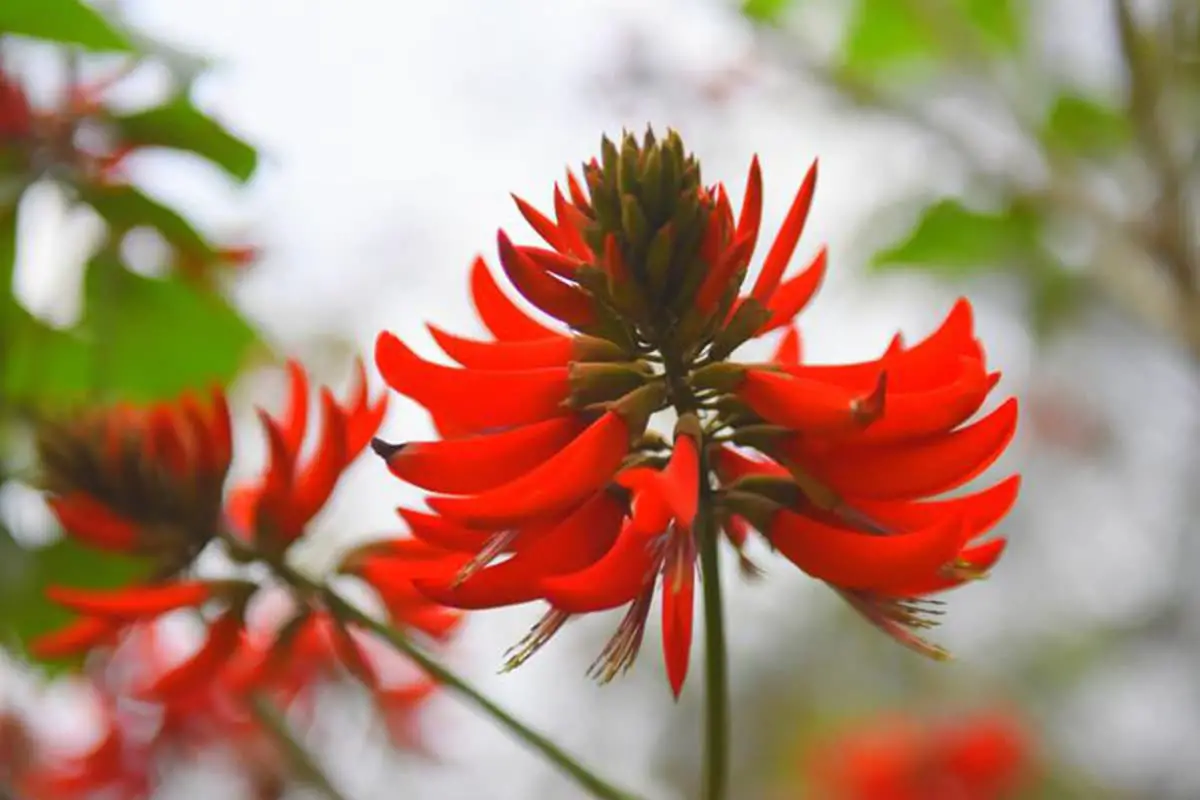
{"x":853,"y":560}
{"x":785,"y":241}
{"x":223,"y":639}
{"x":681,"y":480}
{"x":980,"y":511}
{"x":616,"y":578}
{"x":810,"y":406}
{"x":76,"y":638}
{"x":132,"y":602}
{"x":93,"y":523}
{"x":472,"y":464}
{"x":789,"y":351}
{"x":473,"y":400}
{"x":563,"y":301}
{"x":571,"y":545}
{"x":795,"y":293}
{"x":750,"y":217}
{"x":913,"y":415}
{"x":436,"y":531}
{"x":499,"y":314}
{"x":295,"y":418}
{"x":320,"y":475}
{"x":919,"y":469}
{"x":552,"y":351}
{"x":554,"y":486}
{"x":543,"y":225}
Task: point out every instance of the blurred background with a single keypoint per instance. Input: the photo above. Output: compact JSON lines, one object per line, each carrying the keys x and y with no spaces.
{"x":1041,"y":158}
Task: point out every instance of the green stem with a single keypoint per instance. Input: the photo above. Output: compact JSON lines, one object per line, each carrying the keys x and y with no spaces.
{"x":302,"y":761}
{"x":716,"y":687}
{"x":347,"y":612}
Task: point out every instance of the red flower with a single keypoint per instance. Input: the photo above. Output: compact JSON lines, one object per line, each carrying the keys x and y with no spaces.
{"x":984,"y":756}
{"x":545,"y":455}
{"x":150,"y":483}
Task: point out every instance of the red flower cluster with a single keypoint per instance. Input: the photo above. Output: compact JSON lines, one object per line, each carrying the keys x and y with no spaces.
{"x":151,"y":483}
{"x":985,"y":756}
{"x":548,"y":483}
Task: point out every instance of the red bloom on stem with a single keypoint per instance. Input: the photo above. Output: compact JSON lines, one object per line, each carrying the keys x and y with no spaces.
{"x":150,"y":482}
{"x":545,"y":456}
{"x":982,"y":756}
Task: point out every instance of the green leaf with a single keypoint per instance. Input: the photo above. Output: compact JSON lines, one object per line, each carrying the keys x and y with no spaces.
{"x":884,"y":33}
{"x":765,"y":12}
{"x":45,"y":367}
{"x":125,"y":208}
{"x":152,"y":338}
{"x":65,"y":21}
{"x":996,"y":21}
{"x":952,"y":239}
{"x":25,"y":613}
{"x":179,"y":125}
{"x":1082,"y":125}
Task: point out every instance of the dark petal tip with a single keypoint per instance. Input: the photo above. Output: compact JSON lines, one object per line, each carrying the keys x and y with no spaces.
{"x":385,"y":450}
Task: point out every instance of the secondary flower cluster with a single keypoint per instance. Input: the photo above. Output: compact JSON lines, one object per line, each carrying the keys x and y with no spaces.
{"x":150,"y":483}
{"x":548,"y":483}
{"x":982,"y":756}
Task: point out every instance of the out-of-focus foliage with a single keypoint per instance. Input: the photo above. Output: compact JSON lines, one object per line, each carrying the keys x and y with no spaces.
{"x":139,"y":337}
{"x":899,"y":56}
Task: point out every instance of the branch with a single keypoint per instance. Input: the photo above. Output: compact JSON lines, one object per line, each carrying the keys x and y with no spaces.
{"x":302,"y":761}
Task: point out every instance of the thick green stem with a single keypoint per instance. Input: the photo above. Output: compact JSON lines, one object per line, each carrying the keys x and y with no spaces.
{"x":716,"y":687}
{"x":347,"y":612}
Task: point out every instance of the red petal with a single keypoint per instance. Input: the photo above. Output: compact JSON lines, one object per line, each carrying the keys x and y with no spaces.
{"x":499,"y":314}
{"x":474,"y":464}
{"x":732,"y":465}
{"x":443,"y":534}
{"x":681,"y":481}
{"x":78,"y":637}
{"x":274,"y":511}
{"x":571,"y":222}
{"x":133,"y":602}
{"x":93,"y":523}
{"x":913,"y":415}
{"x":795,"y":293}
{"x":854,"y":560}
{"x":728,"y":263}
{"x":545,"y":227}
{"x":319,"y":476}
{"x":553,"y":351}
{"x":789,"y":350}
{"x":556,"y":485}
{"x":362,"y":417}
{"x":919,"y":469}
{"x":810,"y":406}
{"x":616,"y":578}
{"x":979,"y":559}
{"x":678,"y":601}
{"x":223,"y":639}
{"x":578,"y":196}
{"x":751,"y":216}
{"x":571,"y":545}
{"x":785,"y":241}
{"x":561,"y":300}
{"x":296,"y":416}
{"x":980,"y":511}
{"x":474,"y":400}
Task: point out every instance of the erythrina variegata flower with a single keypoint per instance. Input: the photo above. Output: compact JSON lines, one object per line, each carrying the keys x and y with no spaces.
{"x":548,"y":482}
{"x":150,"y":482}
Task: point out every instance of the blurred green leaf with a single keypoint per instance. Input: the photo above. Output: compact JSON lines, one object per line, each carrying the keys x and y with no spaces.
{"x":1082,"y":125}
{"x":65,"y":21}
{"x":952,"y":239}
{"x":25,"y":613}
{"x":181,"y":126}
{"x":996,"y":21}
{"x":125,"y":208}
{"x":885,"y":34}
{"x":156,"y":337}
{"x":767,"y":12}
{"x":44,"y":367}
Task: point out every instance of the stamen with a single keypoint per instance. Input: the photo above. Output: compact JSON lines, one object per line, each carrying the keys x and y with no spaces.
{"x":533,"y":641}
{"x":622,"y":649}
{"x":487,"y":554}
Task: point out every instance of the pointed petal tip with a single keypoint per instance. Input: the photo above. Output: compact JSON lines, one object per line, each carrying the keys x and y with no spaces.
{"x":385,"y":450}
